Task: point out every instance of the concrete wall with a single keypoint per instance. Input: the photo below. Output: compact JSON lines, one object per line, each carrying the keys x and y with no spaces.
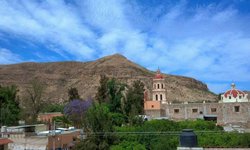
{"x":62,"y":140}
{"x":30,"y":143}
{"x":226,"y":112}
{"x":152,"y":105}
{"x":153,"y":113}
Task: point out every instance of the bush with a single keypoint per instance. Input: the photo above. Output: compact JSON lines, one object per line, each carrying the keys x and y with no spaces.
{"x":53,"y":108}
{"x":209,"y":135}
{"x":117,"y":119}
{"x":126,"y":145}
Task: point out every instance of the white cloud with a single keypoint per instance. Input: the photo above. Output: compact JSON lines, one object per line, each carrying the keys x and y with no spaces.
{"x":48,"y":21}
{"x":7,"y":57}
{"x":105,"y":15}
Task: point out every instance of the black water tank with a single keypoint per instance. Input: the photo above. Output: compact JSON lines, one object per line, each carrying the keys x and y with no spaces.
{"x":188,"y":138}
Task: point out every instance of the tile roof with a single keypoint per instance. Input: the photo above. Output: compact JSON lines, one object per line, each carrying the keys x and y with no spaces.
{"x":5,"y":141}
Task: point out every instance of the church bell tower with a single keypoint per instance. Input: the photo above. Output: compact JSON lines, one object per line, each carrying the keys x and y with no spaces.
{"x":159,"y":91}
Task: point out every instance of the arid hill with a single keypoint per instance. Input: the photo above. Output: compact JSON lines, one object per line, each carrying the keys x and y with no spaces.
{"x":58,"y":77}
{"x":247,"y":92}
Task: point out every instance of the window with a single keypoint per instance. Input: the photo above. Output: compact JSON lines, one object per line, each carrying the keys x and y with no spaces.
{"x":239,"y":97}
{"x":158,"y":86}
{"x":162,"y":86}
{"x":195,"y":110}
{"x":176,"y":111}
{"x":236,"y":108}
{"x":154,"y":86}
{"x":160,"y":97}
{"x":213,"y":110}
{"x":229,"y":97}
{"x":156,"y":97}
{"x":152,"y":106}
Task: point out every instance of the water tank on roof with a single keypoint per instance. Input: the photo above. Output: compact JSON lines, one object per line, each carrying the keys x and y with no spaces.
{"x":3,"y":129}
{"x":188,"y":138}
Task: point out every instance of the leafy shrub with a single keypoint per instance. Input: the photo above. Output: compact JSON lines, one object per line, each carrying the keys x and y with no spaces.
{"x":125,"y":145}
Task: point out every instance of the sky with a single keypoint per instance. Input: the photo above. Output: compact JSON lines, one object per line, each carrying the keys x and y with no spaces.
{"x":208,"y":40}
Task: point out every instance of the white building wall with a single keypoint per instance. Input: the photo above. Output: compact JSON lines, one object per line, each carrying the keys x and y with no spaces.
{"x":231,"y":99}
{"x":159,"y":91}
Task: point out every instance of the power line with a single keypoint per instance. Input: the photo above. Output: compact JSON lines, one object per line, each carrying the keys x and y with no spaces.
{"x":152,"y":133}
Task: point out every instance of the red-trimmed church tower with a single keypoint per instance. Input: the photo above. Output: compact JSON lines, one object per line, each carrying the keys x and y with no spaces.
{"x":159,"y":91}
{"x":152,"y":106}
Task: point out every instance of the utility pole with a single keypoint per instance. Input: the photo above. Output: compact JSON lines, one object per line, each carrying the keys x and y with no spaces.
{"x":54,"y":135}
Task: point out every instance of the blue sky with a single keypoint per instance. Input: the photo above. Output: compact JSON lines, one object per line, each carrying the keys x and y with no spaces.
{"x":205,"y":39}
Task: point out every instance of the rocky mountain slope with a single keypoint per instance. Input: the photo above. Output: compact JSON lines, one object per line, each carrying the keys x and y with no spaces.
{"x":58,"y":77}
{"x":247,"y":92}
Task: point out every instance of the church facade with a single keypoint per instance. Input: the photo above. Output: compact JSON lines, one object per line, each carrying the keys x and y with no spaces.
{"x":233,"y":107}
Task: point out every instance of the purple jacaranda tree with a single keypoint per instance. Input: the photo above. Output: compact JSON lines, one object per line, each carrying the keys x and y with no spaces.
{"x":76,"y":109}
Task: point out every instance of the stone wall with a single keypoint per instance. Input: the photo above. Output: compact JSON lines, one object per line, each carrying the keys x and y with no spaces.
{"x":153,"y":113}
{"x":226,"y":113}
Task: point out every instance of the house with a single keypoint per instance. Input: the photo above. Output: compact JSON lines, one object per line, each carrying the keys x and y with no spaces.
{"x":4,"y":143}
{"x":53,"y":139}
{"x":65,"y":140}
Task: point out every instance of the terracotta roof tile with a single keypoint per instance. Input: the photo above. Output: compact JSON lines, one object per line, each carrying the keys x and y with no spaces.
{"x":5,"y":141}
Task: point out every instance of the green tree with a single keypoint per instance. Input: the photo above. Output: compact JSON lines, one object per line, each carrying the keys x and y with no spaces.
{"x":98,"y":126}
{"x":102,"y":94}
{"x":73,"y":94}
{"x":9,"y":105}
{"x":163,"y":142}
{"x":127,"y":145}
{"x":216,"y":137}
{"x":116,"y":94}
{"x":53,"y":108}
{"x":63,"y":121}
{"x":112,"y":93}
{"x":95,"y":118}
{"x":134,"y":104}
{"x":34,"y":101}
{"x":118,"y":119}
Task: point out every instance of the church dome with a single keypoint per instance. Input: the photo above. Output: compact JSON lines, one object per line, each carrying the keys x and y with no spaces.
{"x":234,"y":92}
{"x":158,"y":75}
